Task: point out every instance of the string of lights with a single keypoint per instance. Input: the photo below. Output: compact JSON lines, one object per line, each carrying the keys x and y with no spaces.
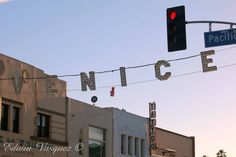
{"x":173,"y":76}
{"x":114,"y":70}
{"x":132,"y":83}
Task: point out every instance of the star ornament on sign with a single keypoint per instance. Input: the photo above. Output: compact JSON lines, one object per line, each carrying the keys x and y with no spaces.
{"x":112,"y":92}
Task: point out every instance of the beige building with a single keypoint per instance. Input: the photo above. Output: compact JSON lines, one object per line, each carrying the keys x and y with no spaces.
{"x":32,"y":110}
{"x":171,"y":144}
{"x":92,"y":126}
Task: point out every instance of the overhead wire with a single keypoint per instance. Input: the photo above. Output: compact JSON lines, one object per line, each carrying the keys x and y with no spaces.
{"x":114,"y":70}
{"x":133,"y":83}
{"x":129,"y":67}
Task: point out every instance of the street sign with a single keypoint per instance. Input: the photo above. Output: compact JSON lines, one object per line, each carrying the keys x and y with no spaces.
{"x":220,"y":38}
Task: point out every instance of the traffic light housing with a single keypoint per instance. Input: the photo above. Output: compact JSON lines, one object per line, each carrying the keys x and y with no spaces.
{"x":176,"y":30}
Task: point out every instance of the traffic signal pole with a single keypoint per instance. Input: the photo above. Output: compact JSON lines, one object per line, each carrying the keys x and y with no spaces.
{"x":176,"y":30}
{"x":211,"y":22}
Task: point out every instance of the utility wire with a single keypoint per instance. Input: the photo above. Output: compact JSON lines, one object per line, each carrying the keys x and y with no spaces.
{"x":114,"y":70}
{"x":152,"y":80}
{"x":131,"y":83}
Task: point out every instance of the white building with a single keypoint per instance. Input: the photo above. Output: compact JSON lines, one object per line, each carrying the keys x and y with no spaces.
{"x":130,"y":134}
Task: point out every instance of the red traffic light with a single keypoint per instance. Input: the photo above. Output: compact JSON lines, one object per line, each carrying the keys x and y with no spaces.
{"x":172,"y":15}
{"x":176,"y":31}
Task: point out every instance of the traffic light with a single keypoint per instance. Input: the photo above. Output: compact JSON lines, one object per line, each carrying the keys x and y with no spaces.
{"x":176,"y":31}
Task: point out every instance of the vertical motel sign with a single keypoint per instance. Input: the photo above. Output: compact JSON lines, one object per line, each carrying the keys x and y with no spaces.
{"x":152,"y":124}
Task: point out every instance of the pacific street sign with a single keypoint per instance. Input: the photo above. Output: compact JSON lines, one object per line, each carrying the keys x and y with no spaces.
{"x":220,"y":38}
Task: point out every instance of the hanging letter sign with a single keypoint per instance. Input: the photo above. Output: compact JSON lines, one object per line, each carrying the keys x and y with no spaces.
{"x":123,"y":77}
{"x":206,"y":61}
{"x":158,"y":65}
{"x":88,"y":81}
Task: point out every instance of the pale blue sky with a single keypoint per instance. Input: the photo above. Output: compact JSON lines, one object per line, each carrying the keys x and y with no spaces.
{"x":102,"y":35}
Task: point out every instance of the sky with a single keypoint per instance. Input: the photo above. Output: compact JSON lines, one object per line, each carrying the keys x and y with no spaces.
{"x":69,"y":37}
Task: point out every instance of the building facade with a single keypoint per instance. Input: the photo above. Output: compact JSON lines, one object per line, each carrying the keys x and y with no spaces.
{"x":106,"y":132}
{"x":31,"y":110}
{"x":91,"y":126}
{"x":173,"y":144}
{"x":131,"y":138}
{"x":111,"y":132}
{"x":130,"y":134}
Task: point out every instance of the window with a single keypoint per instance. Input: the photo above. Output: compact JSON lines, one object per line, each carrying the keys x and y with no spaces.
{"x":142,"y":148}
{"x":136,"y":147}
{"x":4,"y":117}
{"x":10,"y":115}
{"x":16,"y":114}
{"x":43,"y":125}
{"x":123,"y":144}
{"x":130,"y":145}
{"x":96,"y":142}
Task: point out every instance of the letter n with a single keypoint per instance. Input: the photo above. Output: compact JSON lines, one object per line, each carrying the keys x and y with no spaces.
{"x":88,"y":81}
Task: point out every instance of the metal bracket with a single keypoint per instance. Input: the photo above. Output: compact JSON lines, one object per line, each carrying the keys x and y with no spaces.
{"x":211,"y":22}
{"x":210,"y":26}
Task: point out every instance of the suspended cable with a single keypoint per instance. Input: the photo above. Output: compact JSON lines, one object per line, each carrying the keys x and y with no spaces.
{"x":114,"y":70}
{"x":131,"y":83}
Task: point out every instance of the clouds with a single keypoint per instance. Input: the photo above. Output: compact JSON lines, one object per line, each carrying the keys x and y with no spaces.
{"x":5,"y":1}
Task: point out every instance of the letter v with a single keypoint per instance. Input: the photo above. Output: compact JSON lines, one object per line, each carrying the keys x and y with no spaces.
{"x":17,"y":83}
